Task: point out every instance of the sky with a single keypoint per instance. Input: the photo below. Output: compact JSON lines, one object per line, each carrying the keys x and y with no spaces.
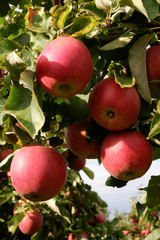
{"x":117,"y":198}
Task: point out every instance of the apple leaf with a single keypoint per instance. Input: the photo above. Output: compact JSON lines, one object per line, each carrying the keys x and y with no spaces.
{"x":140,"y":208}
{"x":42,"y":234}
{"x":91,"y":7}
{"x":138,"y":70}
{"x":2,"y":103}
{"x":7,"y":46}
{"x":120,"y":42}
{"x":153,"y":190}
{"x":13,"y":223}
{"x":39,"y":41}
{"x":154,"y":235}
{"x":148,"y":8}
{"x":88,"y":172}
{"x":5,"y":164}
{"x":83,"y":25}
{"x":25,"y":107}
{"x":6,"y":194}
{"x":37,"y":20}
{"x":63,"y":16}
{"x":124,"y":81}
{"x":155,"y":126}
{"x":114,"y":182}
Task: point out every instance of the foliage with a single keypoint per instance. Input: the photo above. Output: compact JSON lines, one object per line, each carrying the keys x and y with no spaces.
{"x":117,"y":40}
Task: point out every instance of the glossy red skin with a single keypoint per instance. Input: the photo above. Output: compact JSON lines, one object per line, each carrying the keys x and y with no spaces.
{"x":64,"y":61}
{"x":5,"y":153}
{"x":126,"y":155}
{"x":75,"y":136}
{"x":113,"y":107}
{"x":100,"y":218}
{"x":31,"y":223}
{"x":153,"y":62}
{"x":38,"y":173}
{"x":76,"y":163}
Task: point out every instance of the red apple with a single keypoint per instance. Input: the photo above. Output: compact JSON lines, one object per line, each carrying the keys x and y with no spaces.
{"x":76,"y":162}
{"x":5,"y":153}
{"x":100,"y":218}
{"x":126,"y":155}
{"x":113,"y":107}
{"x":38,"y":173}
{"x":75,"y":136}
{"x":64,"y":67}
{"x":133,"y":220}
{"x":153,"y":62}
{"x":73,"y":237}
{"x":126,"y":232}
{"x":31,"y":223}
{"x":147,"y":231}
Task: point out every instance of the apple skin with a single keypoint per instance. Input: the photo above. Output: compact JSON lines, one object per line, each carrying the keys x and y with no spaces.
{"x":126,"y":232}
{"x":76,"y":163}
{"x":31,"y":223}
{"x":100,"y":218}
{"x":126,"y":155}
{"x":5,"y":153}
{"x":153,"y":62}
{"x":38,"y":173}
{"x":113,"y":107}
{"x":64,"y":67}
{"x":75,"y":136}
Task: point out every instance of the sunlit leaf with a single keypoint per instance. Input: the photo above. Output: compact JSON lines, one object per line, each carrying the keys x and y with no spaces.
{"x":88,"y":172}
{"x":155,"y":126}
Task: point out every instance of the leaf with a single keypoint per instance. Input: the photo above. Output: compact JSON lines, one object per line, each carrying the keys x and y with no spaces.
{"x":13,"y":223}
{"x":63,"y":16}
{"x":114,"y":182}
{"x":5,"y":195}
{"x":2,"y":103}
{"x":37,"y":20}
{"x":4,"y":8}
{"x":124,"y":81}
{"x":137,"y":63}
{"x":14,"y":64}
{"x":120,"y":42}
{"x":83,"y":25}
{"x":155,"y":126}
{"x":153,"y":191}
{"x":25,"y":107}
{"x":42,"y":234}
{"x":140,"y":208}
{"x":5,"y":164}
{"x":39,"y":41}
{"x":88,"y":172}
{"x":7,"y":46}
{"x":154,"y":235}
{"x":91,"y":7}
{"x":148,"y":8}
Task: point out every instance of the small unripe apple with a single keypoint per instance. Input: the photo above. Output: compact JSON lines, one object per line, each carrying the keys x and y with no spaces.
{"x":38,"y":173}
{"x":31,"y":223}
{"x":153,"y":62}
{"x":64,"y":67}
{"x":126,"y":155}
{"x":113,"y":107}
{"x":76,"y":139}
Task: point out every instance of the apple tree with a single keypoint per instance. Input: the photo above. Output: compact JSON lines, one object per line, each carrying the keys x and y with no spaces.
{"x":102,"y":41}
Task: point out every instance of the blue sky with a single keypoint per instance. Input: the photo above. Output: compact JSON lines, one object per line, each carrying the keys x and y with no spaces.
{"x":117,"y":198}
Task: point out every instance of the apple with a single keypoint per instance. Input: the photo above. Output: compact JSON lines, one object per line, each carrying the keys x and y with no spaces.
{"x":100,"y":218}
{"x":76,"y":139}
{"x":38,"y":173}
{"x":31,"y":223}
{"x":112,"y":107}
{"x":126,"y":232}
{"x":126,"y":154}
{"x":153,"y":62}
{"x":5,"y":153}
{"x":133,"y":220}
{"x":73,"y":237}
{"x":64,"y":67}
{"x":76,"y":162}
{"x":147,"y":231}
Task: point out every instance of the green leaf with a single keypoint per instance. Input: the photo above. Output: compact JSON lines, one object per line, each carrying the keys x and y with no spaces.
{"x":15,"y":65}
{"x":120,"y":42}
{"x":148,"y":8}
{"x":63,"y":16}
{"x":13,"y":223}
{"x":124,"y":81}
{"x":154,"y":235}
{"x":37,"y":20}
{"x":7,"y":46}
{"x":88,"y":172}
{"x":153,"y":190}
{"x":140,"y":208}
{"x":155,"y":126}
{"x":137,"y":63}
{"x":25,"y":107}
{"x":5,"y":195}
{"x":2,"y":103}
{"x":83,"y":25}
{"x":42,"y":234}
{"x":4,"y":8}
{"x":39,"y":41}
{"x":114,"y":182}
{"x":91,"y":7}
{"x":5,"y":164}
